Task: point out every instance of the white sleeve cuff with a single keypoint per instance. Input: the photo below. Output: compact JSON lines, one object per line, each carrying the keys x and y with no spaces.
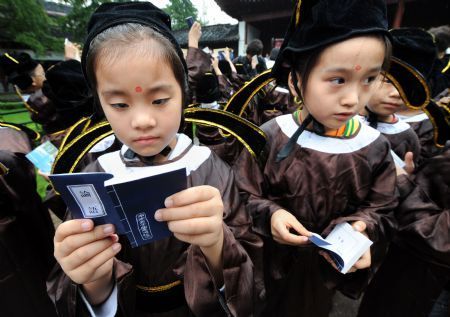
{"x":107,"y":309}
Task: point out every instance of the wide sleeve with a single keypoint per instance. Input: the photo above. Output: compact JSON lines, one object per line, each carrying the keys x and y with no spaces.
{"x":254,"y":187}
{"x":66,"y":295}
{"x":198,"y":63}
{"x":423,"y":226}
{"x":242,"y":255}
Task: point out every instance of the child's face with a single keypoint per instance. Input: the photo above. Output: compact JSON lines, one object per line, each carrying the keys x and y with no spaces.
{"x":142,"y":101}
{"x":342,"y":81}
{"x":385,"y":99}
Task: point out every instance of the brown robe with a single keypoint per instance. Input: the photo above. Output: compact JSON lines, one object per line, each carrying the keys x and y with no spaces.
{"x":199,"y":63}
{"x":324,"y":181}
{"x":402,"y":139}
{"x":171,"y":261}
{"x":419,"y":258}
{"x":425,"y":131}
{"x":14,"y":141}
{"x":26,"y":242}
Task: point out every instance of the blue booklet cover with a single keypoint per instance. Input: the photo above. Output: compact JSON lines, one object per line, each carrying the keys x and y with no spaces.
{"x":129,"y":205}
{"x":43,"y":156}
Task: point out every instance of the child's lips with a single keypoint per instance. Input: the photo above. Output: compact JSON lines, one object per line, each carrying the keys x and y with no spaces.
{"x":391,"y":105}
{"x":145,"y":140}
{"x":344,"y":116}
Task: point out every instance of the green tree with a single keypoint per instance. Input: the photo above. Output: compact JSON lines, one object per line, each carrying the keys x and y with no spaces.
{"x":26,"y":22}
{"x":179,"y":10}
{"x":75,"y":23}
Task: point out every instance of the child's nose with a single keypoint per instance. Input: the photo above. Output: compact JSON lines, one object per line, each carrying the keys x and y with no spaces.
{"x":351,"y":98}
{"x":393,"y":93}
{"x":142,"y":121}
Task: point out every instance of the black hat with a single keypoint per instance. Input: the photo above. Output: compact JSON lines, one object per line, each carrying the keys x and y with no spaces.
{"x":207,"y":89}
{"x":18,"y":68}
{"x":317,"y":23}
{"x":108,"y":15}
{"x":413,"y":57}
{"x":412,"y":72}
{"x":66,"y":87}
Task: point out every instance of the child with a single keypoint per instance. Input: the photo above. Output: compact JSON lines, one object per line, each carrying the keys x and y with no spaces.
{"x":337,"y":170}
{"x":23,"y":71}
{"x":26,"y":248}
{"x":418,"y":258}
{"x":406,"y":41}
{"x":138,"y":74}
{"x":380,"y":115}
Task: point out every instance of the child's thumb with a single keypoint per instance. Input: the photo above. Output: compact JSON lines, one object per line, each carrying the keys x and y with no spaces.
{"x":409,"y":162}
{"x":359,"y":226}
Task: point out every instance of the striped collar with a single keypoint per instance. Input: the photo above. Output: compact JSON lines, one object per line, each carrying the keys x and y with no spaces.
{"x":347,"y":131}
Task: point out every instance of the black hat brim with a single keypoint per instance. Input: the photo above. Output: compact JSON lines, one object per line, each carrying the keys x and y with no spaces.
{"x":410,"y":84}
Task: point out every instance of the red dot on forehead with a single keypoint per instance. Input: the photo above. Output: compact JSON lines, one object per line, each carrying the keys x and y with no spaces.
{"x":358,"y":67}
{"x":138,"y":89}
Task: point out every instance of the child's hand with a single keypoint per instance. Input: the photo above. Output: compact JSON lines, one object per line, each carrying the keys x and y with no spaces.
{"x":255,"y":61}
{"x":281,"y":223}
{"x":195,"y":216}
{"x":215,"y":63}
{"x":226,"y":54}
{"x":86,"y":254}
{"x":364,"y":261}
{"x":409,"y":162}
{"x":195,"y":33}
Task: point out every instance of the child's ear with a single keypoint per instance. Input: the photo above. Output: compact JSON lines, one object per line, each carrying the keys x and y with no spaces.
{"x":291,"y":85}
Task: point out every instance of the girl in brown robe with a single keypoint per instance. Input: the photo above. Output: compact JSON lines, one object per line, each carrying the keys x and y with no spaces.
{"x":336,"y":170}
{"x":137,"y":70}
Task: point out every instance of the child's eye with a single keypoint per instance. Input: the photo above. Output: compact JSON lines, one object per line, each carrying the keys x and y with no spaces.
{"x":370,"y":80}
{"x":160,"y":101}
{"x":337,"y":81}
{"x":119,"y":105}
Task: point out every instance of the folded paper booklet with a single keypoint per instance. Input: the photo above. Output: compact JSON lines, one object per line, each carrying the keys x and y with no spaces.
{"x":344,"y":244}
{"x":129,"y":204}
{"x":43,"y":156}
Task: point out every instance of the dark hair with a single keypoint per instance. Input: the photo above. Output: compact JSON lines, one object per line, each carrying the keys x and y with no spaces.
{"x":441,"y":36}
{"x":255,"y":47}
{"x":124,"y":35}
{"x":304,"y":63}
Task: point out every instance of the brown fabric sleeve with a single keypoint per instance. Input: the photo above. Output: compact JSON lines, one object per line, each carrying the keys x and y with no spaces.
{"x":14,"y":141}
{"x":226,"y":90}
{"x":198,"y":63}
{"x":64,"y":293}
{"x":254,"y":187}
{"x":423,"y":225}
{"x":242,"y":253}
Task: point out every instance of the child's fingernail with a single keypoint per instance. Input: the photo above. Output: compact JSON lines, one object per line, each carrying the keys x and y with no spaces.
{"x":86,"y":225}
{"x":108,"y":229}
{"x":116,"y":247}
{"x":305,"y":239}
{"x":168,"y":202}
{"x":158,"y":215}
